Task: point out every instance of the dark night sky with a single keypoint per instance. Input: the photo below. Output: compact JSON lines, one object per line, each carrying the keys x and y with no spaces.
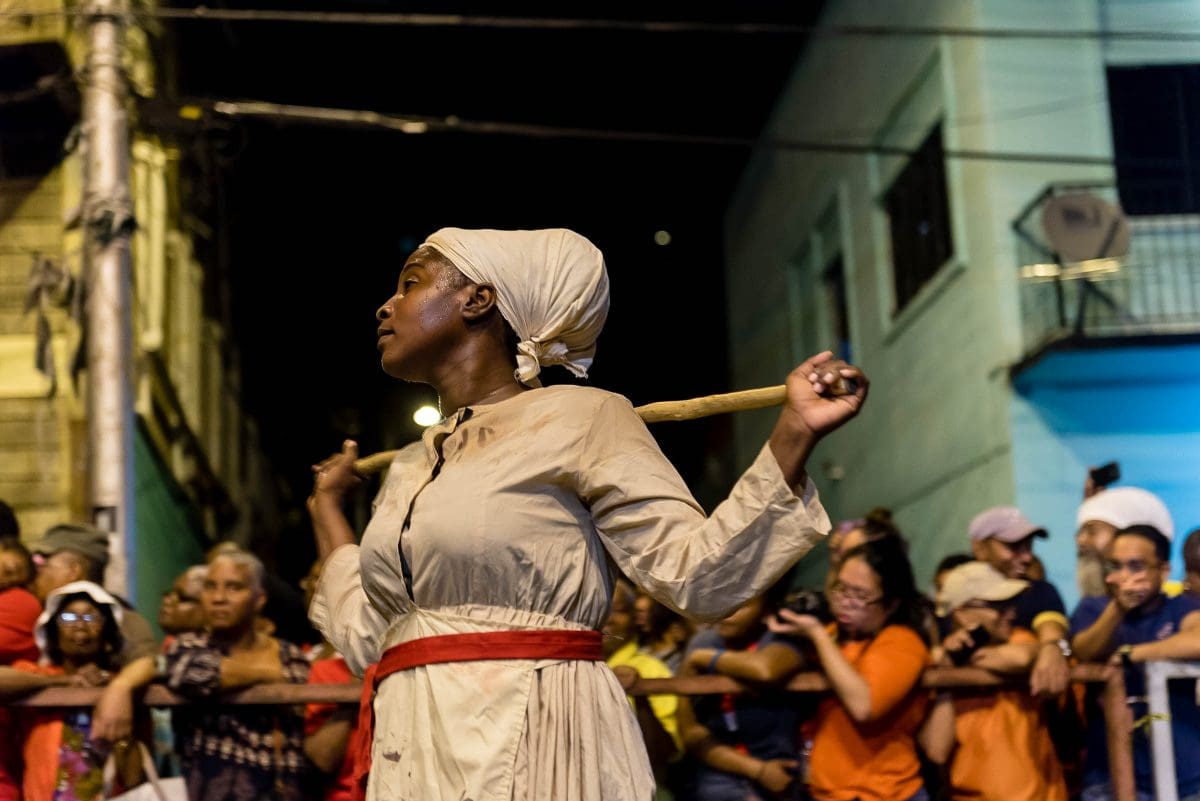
{"x":320,"y":219}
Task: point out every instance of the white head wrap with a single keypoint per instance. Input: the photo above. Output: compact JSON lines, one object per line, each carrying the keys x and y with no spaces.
{"x":1122,"y":507}
{"x":551,"y":287}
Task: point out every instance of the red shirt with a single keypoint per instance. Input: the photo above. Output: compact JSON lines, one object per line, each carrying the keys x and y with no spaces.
{"x":19,"y":610}
{"x":331,"y":671}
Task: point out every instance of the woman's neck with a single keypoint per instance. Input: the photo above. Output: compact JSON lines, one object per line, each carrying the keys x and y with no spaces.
{"x":233,"y":640}
{"x":849,"y":634}
{"x":473,"y":383}
{"x":73,"y":664}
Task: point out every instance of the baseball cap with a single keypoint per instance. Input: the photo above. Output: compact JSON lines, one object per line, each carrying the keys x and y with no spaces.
{"x":81,"y":538}
{"x":1005,"y":523}
{"x":976,"y":580}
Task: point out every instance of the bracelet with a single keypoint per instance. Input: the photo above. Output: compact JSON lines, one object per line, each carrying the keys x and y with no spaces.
{"x":712,"y":663}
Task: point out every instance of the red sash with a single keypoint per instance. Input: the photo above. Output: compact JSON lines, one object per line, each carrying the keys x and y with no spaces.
{"x":526,"y":644}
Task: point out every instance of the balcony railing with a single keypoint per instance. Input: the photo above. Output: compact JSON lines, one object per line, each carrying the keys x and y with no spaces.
{"x":1153,"y":289}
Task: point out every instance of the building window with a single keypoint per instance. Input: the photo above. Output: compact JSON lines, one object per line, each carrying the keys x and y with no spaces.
{"x":1155,"y":115}
{"x":834,"y":279}
{"x":919,"y":215}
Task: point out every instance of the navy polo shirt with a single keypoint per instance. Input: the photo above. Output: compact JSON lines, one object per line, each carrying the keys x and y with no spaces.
{"x":1139,"y":626}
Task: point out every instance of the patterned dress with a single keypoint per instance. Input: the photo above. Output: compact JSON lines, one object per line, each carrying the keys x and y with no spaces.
{"x":235,"y":754}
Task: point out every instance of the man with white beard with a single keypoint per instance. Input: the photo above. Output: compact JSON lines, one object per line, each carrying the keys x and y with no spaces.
{"x":1103,"y":515}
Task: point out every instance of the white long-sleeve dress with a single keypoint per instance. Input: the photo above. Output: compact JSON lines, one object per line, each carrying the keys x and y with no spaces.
{"x":511,"y":516}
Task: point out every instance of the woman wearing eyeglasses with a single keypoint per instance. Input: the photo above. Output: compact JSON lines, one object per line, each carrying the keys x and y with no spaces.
{"x":79,"y":635}
{"x":864,"y":743}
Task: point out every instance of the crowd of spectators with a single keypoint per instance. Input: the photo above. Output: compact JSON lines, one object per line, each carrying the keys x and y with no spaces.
{"x":878,"y":735}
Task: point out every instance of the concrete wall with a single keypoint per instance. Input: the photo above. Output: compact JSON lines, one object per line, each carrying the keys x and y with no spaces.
{"x":935,"y":441}
{"x":39,"y":434}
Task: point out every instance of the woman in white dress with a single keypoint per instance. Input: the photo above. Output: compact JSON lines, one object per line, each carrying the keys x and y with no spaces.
{"x":486,"y":570}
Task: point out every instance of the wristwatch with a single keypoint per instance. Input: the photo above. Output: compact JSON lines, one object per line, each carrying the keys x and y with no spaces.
{"x":1126,"y":653}
{"x":1064,"y":646}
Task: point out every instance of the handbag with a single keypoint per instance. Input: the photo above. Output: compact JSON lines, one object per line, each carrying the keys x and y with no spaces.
{"x":152,"y":789}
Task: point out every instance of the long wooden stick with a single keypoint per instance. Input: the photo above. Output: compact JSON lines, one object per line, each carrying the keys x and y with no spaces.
{"x":691,"y":409}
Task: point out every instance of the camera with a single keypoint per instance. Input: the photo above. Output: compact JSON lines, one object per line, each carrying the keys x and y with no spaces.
{"x":807,"y":602}
{"x":979,"y":638}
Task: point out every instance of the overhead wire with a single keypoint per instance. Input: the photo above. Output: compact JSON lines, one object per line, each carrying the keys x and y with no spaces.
{"x":391,"y":19}
{"x":413,"y":124}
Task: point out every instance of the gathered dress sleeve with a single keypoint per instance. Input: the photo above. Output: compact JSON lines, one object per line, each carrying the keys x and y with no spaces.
{"x":342,"y":611}
{"x":660,"y":538}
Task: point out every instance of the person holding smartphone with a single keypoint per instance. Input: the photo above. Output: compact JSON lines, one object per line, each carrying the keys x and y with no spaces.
{"x":997,"y":745}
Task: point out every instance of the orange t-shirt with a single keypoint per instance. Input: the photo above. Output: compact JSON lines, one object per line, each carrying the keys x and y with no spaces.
{"x":1004,"y":750}
{"x":876,"y":760}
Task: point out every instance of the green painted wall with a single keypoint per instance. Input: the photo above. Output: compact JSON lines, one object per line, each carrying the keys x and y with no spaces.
{"x":169,"y":537}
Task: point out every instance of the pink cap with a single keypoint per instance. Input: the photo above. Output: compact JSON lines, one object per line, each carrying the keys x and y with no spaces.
{"x":1005,"y":523}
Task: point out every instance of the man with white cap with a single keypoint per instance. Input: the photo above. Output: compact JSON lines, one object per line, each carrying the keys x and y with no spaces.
{"x":1003,"y":537}
{"x":1104,"y":514}
{"x":486,"y":571}
{"x":1137,"y":622}
{"x":998,"y":745}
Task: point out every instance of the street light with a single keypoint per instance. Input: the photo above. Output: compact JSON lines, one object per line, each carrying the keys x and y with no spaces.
{"x":426,"y":416}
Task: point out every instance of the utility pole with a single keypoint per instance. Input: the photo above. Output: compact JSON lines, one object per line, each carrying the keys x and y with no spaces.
{"x":108,"y":217}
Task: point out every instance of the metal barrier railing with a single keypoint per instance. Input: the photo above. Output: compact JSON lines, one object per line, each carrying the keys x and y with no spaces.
{"x":1118,"y":720}
{"x":1158,"y":701}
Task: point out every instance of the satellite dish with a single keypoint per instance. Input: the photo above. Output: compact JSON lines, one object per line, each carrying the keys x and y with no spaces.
{"x":1081,"y":226}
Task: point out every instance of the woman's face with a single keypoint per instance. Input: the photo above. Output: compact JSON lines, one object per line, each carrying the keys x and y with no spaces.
{"x":843,"y":542}
{"x":857,"y":598}
{"x":996,"y":618}
{"x":419,"y":322}
{"x":743,"y":622}
{"x":642,"y":609}
{"x":80,"y":630}
{"x":14,"y":570}
{"x":181,"y":610}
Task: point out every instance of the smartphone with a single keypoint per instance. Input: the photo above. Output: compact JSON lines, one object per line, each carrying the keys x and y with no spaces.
{"x":979,"y":638}
{"x":1105,"y":475}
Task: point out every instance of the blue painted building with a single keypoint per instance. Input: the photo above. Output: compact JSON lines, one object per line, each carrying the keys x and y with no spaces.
{"x":1130,"y":401}
{"x":1005,"y":358}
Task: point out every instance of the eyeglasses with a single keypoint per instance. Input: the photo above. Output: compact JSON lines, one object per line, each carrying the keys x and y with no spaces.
{"x":1134,"y":567}
{"x":179,"y":598}
{"x":853,"y":595}
{"x":76,"y":619}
